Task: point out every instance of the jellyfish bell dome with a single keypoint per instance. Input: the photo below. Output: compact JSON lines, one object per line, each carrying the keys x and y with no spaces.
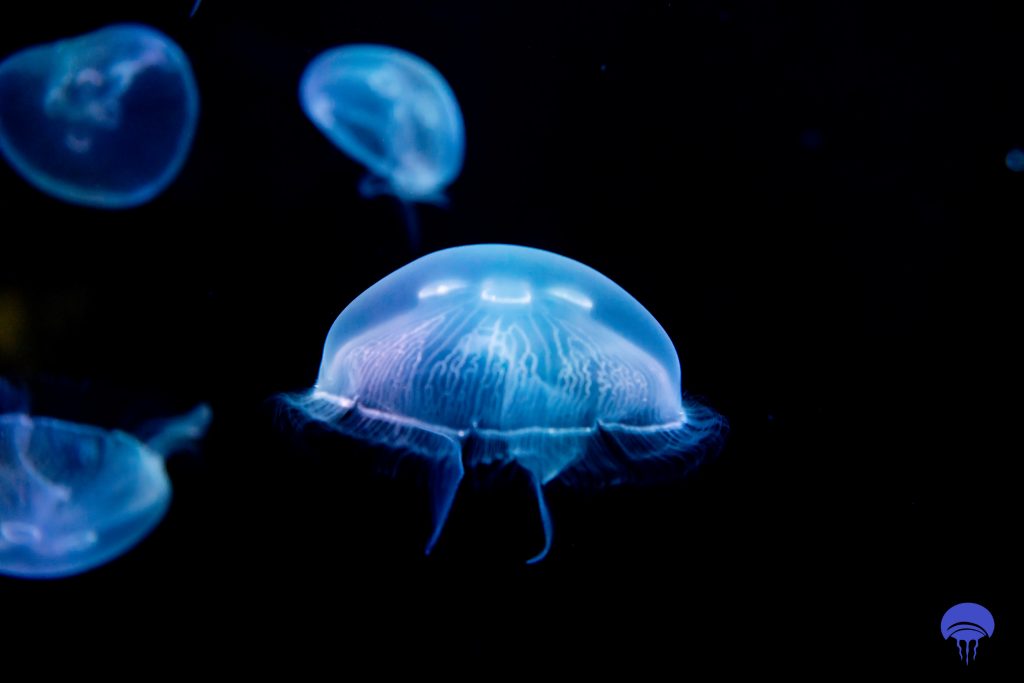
{"x":522,"y":310}
{"x":505,"y":354}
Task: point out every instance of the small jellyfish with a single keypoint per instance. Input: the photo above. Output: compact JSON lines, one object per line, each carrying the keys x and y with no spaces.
{"x":105,"y":119}
{"x":490,"y":355}
{"x":74,"y":496}
{"x":393,"y":113}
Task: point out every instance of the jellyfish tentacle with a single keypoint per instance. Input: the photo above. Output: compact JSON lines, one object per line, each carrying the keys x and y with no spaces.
{"x":545,"y":520}
{"x":446,"y":475}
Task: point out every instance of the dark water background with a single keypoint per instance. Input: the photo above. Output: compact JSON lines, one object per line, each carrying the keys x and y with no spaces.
{"x":812,"y":199}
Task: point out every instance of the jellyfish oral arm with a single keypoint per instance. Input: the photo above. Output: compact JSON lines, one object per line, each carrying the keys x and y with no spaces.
{"x":446,"y":474}
{"x":545,"y":520}
{"x":180,"y":432}
{"x":441,"y":448}
{"x":444,"y":460}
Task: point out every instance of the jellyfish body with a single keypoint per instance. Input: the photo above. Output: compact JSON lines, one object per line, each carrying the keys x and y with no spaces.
{"x":967,"y":623}
{"x":392,"y":112}
{"x":74,"y":496}
{"x":493,"y":354}
{"x":105,"y":119}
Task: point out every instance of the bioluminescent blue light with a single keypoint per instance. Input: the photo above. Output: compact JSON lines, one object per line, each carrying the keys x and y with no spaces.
{"x":493,"y":354}
{"x":392,"y":112}
{"x":105,"y":119}
{"x":1015,"y":160}
{"x":74,"y":496}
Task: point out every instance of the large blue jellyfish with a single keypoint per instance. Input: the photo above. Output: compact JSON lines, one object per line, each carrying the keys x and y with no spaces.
{"x":74,"y":496}
{"x":492,"y":354}
{"x":392,"y":112}
{"x":105,"y":119}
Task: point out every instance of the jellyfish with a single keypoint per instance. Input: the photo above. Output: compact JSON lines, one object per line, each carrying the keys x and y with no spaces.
{"x":494,"y":355}
{"x":74,"y":496}
{"x":967,"y":623}
{"x":105,"y":119}
{"x":392,"y":112}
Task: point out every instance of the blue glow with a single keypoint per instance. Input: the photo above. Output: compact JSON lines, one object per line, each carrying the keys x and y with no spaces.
{"x":393,"y":113}
{"x":1015,"y":160}
{"x":74,"y":496}
{"x":105,"y":119}
{"x":495,"y":354}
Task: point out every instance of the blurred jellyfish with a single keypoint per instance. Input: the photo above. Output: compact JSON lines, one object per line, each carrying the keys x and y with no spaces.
{"x":105,"y":119}
{"x":1015,"y":160}
{"x":74,"y":496}
{"x":496,"y":354}
{"x":393,"y":113}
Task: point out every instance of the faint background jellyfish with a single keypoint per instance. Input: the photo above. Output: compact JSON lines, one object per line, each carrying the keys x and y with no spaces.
{"x":105,"y":119}
{"x":1015,"y":160}
{"x":393,"y":113}
{"x":74,"y":496}
{"x":494,"y":354}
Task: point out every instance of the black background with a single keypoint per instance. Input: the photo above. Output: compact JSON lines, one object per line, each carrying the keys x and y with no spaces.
{"x":812,"y":199}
